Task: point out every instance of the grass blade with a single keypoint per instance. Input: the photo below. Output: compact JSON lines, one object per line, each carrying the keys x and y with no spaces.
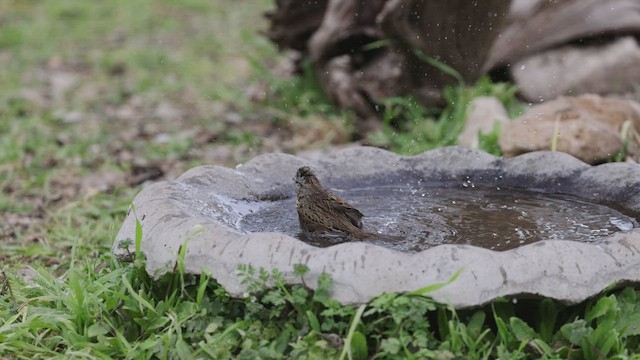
{"x":346,"y":350}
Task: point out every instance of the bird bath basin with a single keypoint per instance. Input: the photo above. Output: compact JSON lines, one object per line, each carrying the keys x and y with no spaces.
{"x":421,"y":216}
{"x":541,"y":224}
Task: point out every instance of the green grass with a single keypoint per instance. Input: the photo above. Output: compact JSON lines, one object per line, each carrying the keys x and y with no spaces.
{"x":100,"y":308}
{"x":411,"y":128}
{"x":82,"y":83}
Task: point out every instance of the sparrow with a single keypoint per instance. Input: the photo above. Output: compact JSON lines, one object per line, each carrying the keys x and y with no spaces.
{"x":322,"y":211}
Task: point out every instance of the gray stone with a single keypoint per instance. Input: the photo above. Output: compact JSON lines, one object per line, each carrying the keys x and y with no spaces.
{"x":201,"y":210}
{"x":570,"y":70}
{"x":484,"y":112}
{"x":588,"y":127}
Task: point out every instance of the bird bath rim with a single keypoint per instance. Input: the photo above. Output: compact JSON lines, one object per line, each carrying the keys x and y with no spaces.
{"x":180,"y":211}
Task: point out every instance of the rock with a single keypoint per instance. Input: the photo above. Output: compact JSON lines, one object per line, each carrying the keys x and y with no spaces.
{"x":540,"y":25}
{"x":101,"y":181}
{"x":484,"y":112}
{"x":61,"y":83}
{"x":587,"y":127}
{"x":203,"y":207}
{"x":26,"y":274}
{"x":605,"y":69}
{"x":313,"y":132}
{"x":68,"y":116}
{"x":167,"y":112}
{"x":319,"y":154}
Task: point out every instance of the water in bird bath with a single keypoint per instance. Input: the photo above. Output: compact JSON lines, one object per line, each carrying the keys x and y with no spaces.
{"x":497,"y":219}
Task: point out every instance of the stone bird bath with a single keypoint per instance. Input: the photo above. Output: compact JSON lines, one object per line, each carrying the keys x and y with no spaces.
{"x":206,"y":206}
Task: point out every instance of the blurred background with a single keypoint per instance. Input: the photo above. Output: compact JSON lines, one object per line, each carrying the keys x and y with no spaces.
{"x":100,"y":97}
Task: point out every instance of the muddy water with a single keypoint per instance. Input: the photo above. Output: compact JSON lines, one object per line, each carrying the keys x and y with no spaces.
{"x":493,"y":219}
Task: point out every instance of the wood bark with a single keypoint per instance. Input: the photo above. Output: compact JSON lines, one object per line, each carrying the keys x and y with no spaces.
{"x":456,"y":33}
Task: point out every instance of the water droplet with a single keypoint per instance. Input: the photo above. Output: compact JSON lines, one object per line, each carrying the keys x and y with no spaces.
{"x":621,"y":224}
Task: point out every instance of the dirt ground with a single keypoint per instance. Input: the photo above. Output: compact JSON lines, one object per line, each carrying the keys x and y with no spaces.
{"x":103,"y":105}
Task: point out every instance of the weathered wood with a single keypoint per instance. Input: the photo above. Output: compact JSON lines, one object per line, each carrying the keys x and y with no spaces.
{"x":458,"y":33}
{"x":350,"y":73}
{"x":293,"y":22}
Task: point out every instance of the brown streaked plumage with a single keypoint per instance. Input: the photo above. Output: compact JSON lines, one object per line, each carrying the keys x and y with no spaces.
{"x":321,"y":211}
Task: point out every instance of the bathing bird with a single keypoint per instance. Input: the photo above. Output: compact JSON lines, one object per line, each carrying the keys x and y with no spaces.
{"x":322,"y":211}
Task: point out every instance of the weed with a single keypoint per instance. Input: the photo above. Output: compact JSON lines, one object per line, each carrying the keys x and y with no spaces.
{"x":119,"y":310}
{"x":300,"y":95}
{"x":411,"y":128}
{"x":628,"y":134}
{"x":489,"y":142}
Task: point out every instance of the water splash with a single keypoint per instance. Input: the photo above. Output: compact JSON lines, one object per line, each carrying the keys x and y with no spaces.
{"x":426,"y":217}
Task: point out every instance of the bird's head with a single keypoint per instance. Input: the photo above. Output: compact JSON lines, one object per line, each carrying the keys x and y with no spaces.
{"x":304,"y":176}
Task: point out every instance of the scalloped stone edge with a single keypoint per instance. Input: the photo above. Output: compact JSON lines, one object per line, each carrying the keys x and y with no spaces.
{"x":195,"y":210}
